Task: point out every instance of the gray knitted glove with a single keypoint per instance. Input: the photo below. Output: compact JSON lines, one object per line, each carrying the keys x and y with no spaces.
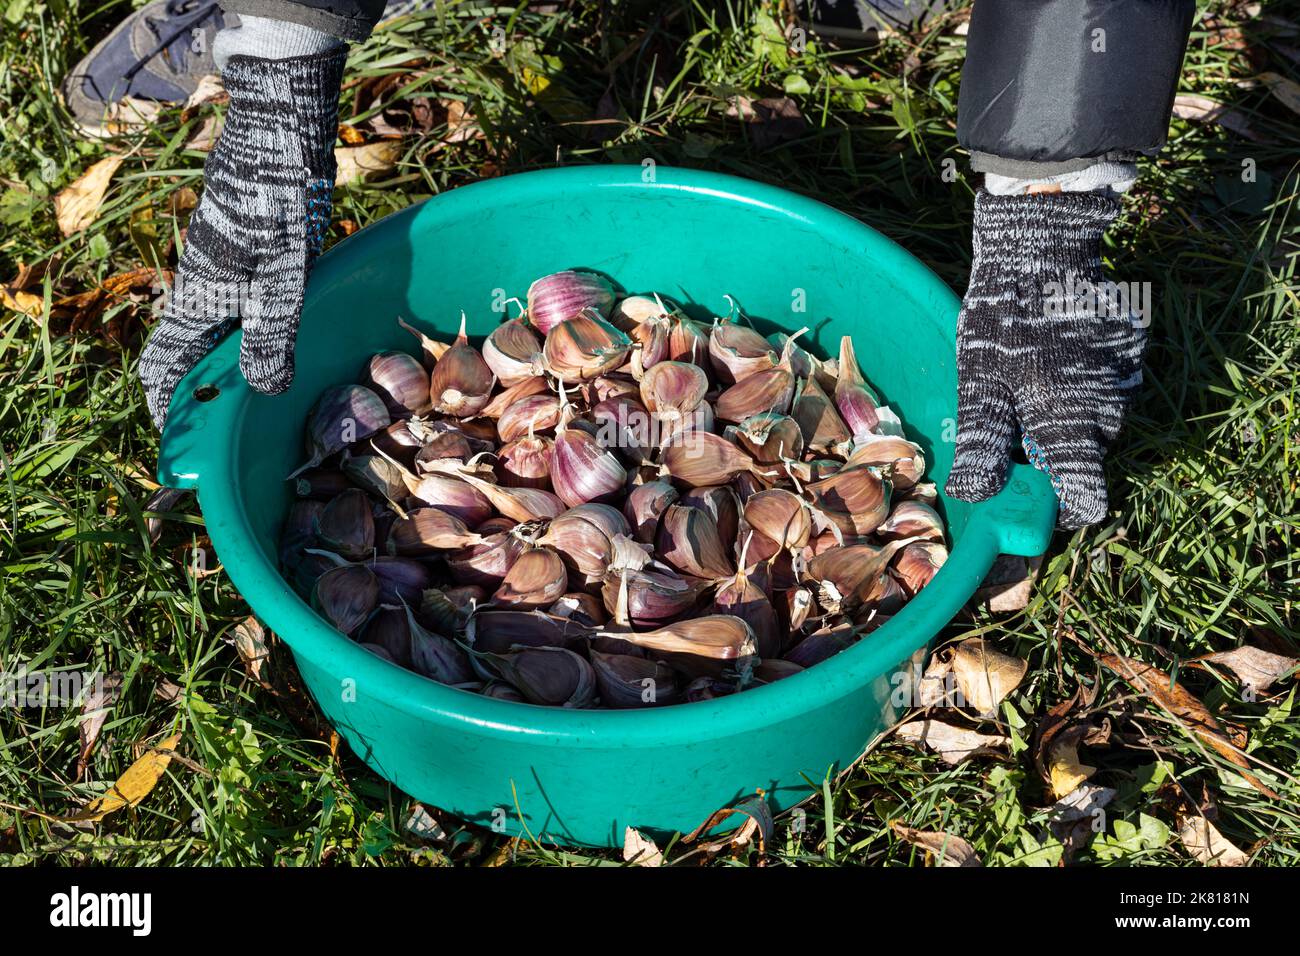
{"x":1054,"y":368}
{"x":258,"y":228}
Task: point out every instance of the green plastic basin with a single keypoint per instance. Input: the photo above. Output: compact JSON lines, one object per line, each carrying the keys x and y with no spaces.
{"x":579,"y":777}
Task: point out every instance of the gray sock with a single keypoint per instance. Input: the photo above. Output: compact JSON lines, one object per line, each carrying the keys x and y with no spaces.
{"x":270,"y":39}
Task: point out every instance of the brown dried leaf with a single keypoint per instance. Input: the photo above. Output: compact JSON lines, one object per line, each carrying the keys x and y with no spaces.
{"x":1286,"y":91}
{"x":357,"y":162}
{"x":77,"y":205}
{"x":1009,"y":584}
{"x":206,"y":136}
{"x":757,"y":828}
{"x":640,"y":849}
{"x":27,"y":303}
{"x":94,"y":711}
{"x":1256,"y":669}
{"x":944,"y":848}
{"x":1202,"y":109}
{"x":249,"y":640}
{"x":207,"y":90}
{"x":461,"y":123}
{"x":1174,"y":698}
{"x":953,"y":744}
{"x":351,"y":135}
{"x":985,"y":675}
{"x":1203,"y":841}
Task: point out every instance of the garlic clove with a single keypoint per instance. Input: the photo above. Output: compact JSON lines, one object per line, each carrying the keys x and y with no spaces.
{"x":425,"y":531}
{"x":461,"y":383}
{"x":513,"y":352}
{"x":347,"y":525}
{"x":768,"y":390}
{"x":702,"y":458}
{"x":561,"y":296}
{"x":401,"y":383}
{"x":782,"y":517}
{"x":737,"y":351}
{"x":918,"y":563}
{"x":900,"y":460}
{"x":625,"y":681}
{"x":584,"y":348}
{"x":646,"y":505}
{"x":549,"y":676}
{"x":534,"y":414}
{"x":536,"y":580}
{"x":912,"y":519}
{"x":688,"y":541}
{"x":581,"y":469}
{"x":770,"y":438}
{"x":341,"y":416}
{"x":822,"y":428}
{"x":345,"y":596}
{"x":507,"y":399}
{"x":854,"y":399}
{"x":525,"y":463}
{"x":856,"y":498}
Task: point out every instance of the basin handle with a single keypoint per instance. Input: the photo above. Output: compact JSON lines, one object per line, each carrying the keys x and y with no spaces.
{"x":202,"y":420}
{"x":1020,"y":517}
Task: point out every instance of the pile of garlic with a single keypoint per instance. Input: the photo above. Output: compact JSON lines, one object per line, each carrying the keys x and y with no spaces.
{"x":609,"y":505}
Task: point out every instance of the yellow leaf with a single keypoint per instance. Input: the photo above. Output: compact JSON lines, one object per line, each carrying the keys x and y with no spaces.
{"x":25,"y":302}
{"x":133,"y":786}
{"x":555,"y":98}
{"x":77,"y":205}
{"x":356,"y":162}
{"x":1067,"y":773}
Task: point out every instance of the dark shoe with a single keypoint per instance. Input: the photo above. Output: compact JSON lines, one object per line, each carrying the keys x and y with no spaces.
{"x":158,"y":53}
{"x":865,"y":19}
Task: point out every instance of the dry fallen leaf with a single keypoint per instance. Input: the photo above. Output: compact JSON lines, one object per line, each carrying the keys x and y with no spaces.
{"x":944,"y":848}
{"x":757,"y":828}
{"x":1064,"y":769}
{"x":28,"y":303}
{"x":161,"y":502}
{"x":461,"y":123}
{"x":98,"y":703}
{"x":1202,"y":109}
{"x":206,"y":90}
{"x":249,"y":639}
{"x":422,"y":824}
{"x":1207,"y":845}
{"x":640,"y":849}
{"x":77,"y":205}
{"x":1009,"y":584}
{"x":1257,"y":669}
{"x":1286,"y":91}
{"x":206,"y":136}
{"x":134,"y":785}
{"x":952,"y":744}
{"x":1174,"y":698}
{"x":351,"y":135}
{"x":357,"y":162}
{"x":937,"y":687}
{"x":985,"y":675}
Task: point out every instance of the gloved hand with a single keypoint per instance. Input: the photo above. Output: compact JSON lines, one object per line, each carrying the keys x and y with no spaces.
{"x":1056,"y":372}
{"x":258,"y":228}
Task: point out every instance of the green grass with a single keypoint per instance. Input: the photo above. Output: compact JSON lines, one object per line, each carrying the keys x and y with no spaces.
{"x":1199,"y":554}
